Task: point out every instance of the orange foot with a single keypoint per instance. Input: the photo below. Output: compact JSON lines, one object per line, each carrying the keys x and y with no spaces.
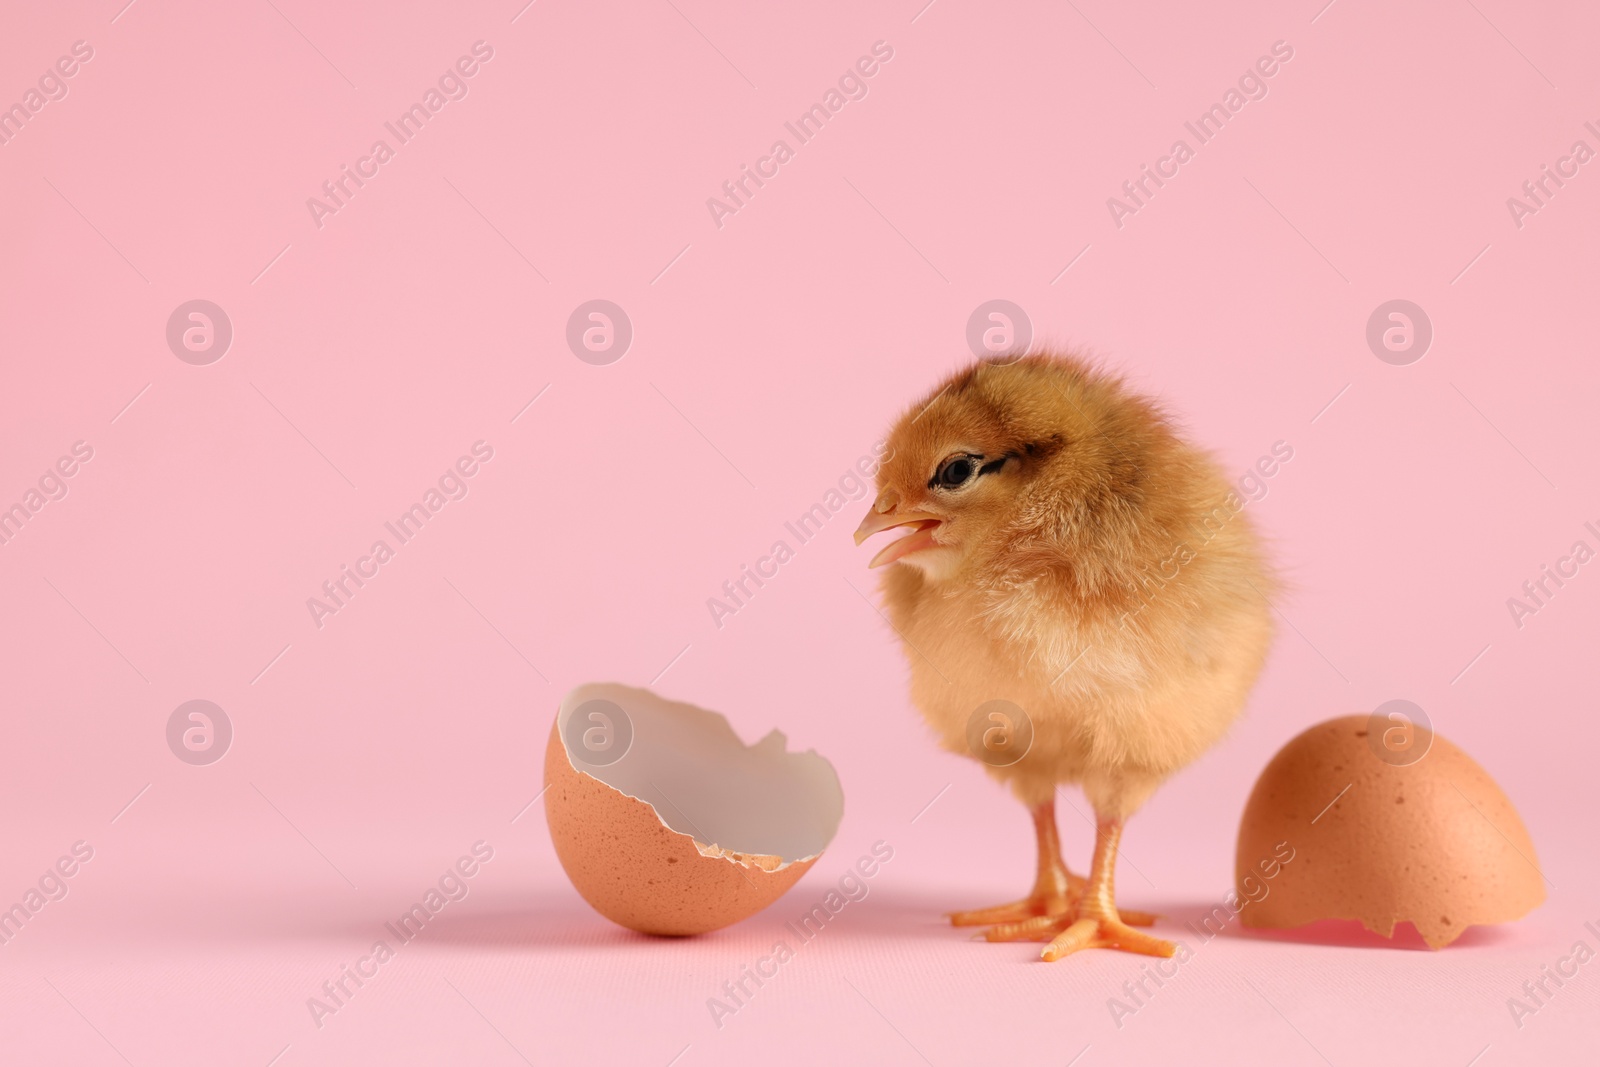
{"x":1058,"y":908}
{"x":1101,"y":932}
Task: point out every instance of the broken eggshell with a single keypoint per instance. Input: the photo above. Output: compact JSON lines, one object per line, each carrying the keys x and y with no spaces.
{"x":1383,"y":833}
{"x":667,"y":823}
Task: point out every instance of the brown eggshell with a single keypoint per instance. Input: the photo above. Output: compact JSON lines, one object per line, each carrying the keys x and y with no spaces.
{"x":636,"y":870}
{"x":1433,"y":842}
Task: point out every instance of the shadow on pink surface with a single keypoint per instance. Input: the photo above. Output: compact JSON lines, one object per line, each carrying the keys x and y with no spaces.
{"x":1192,"y":919}
{"x":1349,"y":933}
{"x":563,"y":921}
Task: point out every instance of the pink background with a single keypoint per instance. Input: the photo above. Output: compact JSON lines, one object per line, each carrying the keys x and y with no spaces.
{"x":768,"y":356}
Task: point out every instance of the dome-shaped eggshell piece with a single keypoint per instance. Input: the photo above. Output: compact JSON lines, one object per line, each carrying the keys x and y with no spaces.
{"x":641,"y":874}
{"x":1435,"y":842}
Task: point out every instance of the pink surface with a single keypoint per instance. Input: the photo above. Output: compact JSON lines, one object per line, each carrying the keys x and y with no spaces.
{"x":768,"y":355}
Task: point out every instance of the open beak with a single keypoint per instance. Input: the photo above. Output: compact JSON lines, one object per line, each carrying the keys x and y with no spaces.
{"x":879,"y":520}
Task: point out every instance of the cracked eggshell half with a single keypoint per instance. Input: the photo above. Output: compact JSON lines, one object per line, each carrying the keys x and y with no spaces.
{"x":1428,"y":839}
{"x":667,"y":823}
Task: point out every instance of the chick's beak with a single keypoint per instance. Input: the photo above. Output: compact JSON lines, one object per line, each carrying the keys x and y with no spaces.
{"x":885,"y":515}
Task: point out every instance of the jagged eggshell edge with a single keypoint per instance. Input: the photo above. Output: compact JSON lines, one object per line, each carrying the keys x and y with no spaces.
{"x":1436,"y":843}
{"x":640,"y":873}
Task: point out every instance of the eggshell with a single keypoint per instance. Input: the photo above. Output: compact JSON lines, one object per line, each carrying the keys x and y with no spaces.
{"x":690,"y":830}
{"x":1434,"y":842}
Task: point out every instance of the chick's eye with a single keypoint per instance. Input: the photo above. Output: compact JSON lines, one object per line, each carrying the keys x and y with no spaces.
{"x":955,"y":472}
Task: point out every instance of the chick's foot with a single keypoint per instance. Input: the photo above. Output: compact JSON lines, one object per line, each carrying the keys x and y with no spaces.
{"x":1097,"y":923}
{"x":1092,"y":932}
{"x":1053,"y":903}
{"x":1038,"y":911}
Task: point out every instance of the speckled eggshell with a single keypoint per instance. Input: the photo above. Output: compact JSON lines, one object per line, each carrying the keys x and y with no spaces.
{"x":637,"y":872}
{"x":1436,"y":842}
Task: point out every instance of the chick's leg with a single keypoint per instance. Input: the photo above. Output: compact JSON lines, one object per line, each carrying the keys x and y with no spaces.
{"x":1097,"y":924}
{"x":1055,"y":892}
{"x":1053,"y":887}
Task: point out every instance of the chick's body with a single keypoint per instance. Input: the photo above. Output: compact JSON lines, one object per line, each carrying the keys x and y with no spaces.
{"x":1073,"y":556}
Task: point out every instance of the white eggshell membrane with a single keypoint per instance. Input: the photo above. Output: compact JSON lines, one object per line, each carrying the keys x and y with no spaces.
{"x":689,"y":829}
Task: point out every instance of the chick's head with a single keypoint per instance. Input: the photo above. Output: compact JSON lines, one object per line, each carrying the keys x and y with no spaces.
{"x":1004,"y":451}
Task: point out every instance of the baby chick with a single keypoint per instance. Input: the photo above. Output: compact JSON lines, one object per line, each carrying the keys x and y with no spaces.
{"x":1069,"y":555}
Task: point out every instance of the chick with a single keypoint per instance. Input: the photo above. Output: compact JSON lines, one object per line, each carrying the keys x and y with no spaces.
{"x":1069,"y":554}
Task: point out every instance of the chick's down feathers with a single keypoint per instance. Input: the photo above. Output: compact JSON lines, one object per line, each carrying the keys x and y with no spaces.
{"x":1073,"y":555}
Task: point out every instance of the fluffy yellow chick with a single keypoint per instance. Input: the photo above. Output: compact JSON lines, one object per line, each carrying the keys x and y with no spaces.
{"x":1069,"y":555}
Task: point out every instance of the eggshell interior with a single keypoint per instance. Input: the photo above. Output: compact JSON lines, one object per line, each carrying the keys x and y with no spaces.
{"x":1435,"y":842}
{"x":691,"y":830}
